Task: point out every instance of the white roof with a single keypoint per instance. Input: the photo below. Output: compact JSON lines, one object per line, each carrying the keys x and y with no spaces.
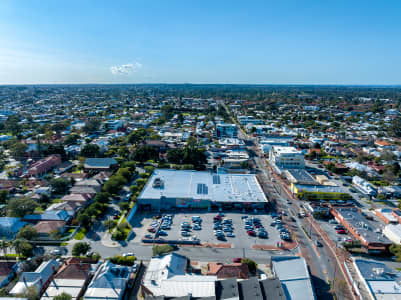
{"x":204,"y":186}
{"x":59,"y":286}
{"x":385,"y":290}
{"x":165,"y":276}
{"x":395,"y":229}
{"x":286,"y":150}
{"x":37,"y":278}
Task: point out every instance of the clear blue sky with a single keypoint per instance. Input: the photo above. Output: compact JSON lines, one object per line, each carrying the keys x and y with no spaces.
{"x":191,"y":41}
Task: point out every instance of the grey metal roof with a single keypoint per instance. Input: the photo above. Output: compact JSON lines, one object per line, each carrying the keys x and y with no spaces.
{"x":227,"y":289}
{"x":365,"y":228}
{"x":293,"y":273}
{"x":100,"y":162}
{"x":204,"y":186}
{"x":301,"y":176}
{"x":272,"y":289}
{"x":250,"y":289}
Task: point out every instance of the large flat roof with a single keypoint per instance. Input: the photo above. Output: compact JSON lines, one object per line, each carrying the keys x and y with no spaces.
{"x":202,"y":185}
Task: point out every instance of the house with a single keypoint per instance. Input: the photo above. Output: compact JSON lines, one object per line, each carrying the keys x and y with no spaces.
{"x":47,"y":228}
{"x":8,"y":269}
{"x":109,"y":282}
{"x":223,"y":271}
{"x":100,"y":164}
{"x":70,"y":207}
{"x":72,"y":278}
{"x":78,"y":199}
{"x":88,"y":190}
{"x":45,"y":165}
{"x":52,"y":215}
{"x":40,"y":278}
{"x":92,"y":183}
{"x":9,"y":226}
{"x":158,"y":145}
{"x":293,"y":273}
{"x":166,"y":276}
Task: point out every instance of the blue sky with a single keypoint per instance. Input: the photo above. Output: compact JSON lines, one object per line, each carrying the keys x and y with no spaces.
{"x":261,"y":42}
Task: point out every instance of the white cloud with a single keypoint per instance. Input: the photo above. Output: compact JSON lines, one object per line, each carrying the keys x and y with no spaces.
{"x":125,"y":69}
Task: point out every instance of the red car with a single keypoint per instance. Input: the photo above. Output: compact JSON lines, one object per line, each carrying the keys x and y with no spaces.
{"x":341,"y":231}
{"x":251,"y":233}
{"x":237,"y":260}
{"x":217,"y":218}
{"x":151,"y":229}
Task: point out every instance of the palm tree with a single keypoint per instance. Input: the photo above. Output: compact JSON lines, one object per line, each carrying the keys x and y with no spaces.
{"x":3,"y":246}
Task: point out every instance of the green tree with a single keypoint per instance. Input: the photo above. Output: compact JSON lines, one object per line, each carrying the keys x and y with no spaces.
{"x":92,"y":126}
{"x":3,"y":196}
{"x":23,"y":247}
{"x":71,"y":139}
{"x":80,"y":248}
{"x":59,"y":185}
{"x":30,"y":293}
{"x":28,"y":233}
{"x":12,"y":125}
{"x":102,"y":197}
{"x":144,"y":153}
{"x":84,"y":220}
{"x":18,"y":150}
{"x":109,"y":224}
{"x":63,"y":296}
{"x":19,"y":207}
{"x":252,"y":266}
{"x":90,"y":150}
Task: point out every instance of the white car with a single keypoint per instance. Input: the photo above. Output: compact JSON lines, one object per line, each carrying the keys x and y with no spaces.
{"x":128,"y":254}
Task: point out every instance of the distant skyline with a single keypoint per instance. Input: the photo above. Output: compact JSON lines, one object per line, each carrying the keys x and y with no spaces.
{"x":228,"y":42}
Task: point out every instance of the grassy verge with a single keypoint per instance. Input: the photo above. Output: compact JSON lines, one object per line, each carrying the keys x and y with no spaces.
{"x":80,"y":234}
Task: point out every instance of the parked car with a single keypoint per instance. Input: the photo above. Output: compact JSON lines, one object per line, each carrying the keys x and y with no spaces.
{"x":318,"y":244}
{"x":251,"y":233}
{"x":230,"y":234}
{"x":185,"y":233}
{"x":341,"y":231}
{"x":237,"y":260}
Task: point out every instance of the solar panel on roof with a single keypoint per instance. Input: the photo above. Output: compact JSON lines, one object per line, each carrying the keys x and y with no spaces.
{"x":216,"y":179}
{"x":202,"y":189}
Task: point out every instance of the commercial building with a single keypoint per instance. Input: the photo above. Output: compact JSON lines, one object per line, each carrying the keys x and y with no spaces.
{"x":293,"y":273}
{"x":286,"y":158}
{"x":226,"y":131}
{"x":319,"y":192}
{"x":380,"y":282}
{"x":266,"y":145}
{"x":168,"y":189}
{"x":386,"y":215}
{"x":245,"y":120}
{"x":363,"y":230}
